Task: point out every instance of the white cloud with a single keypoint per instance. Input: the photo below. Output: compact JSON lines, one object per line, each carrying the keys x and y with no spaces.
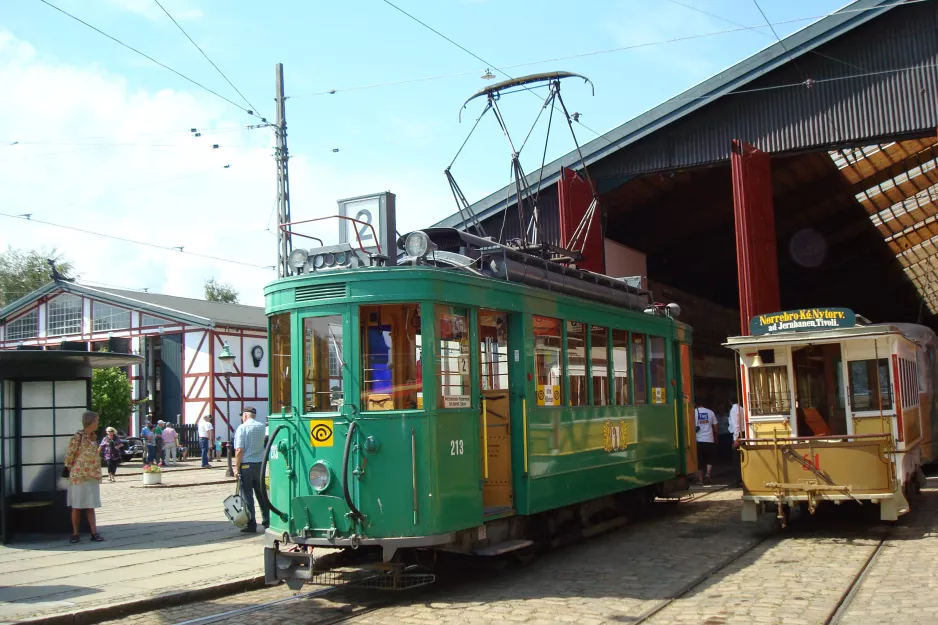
{"x":97,"y":155}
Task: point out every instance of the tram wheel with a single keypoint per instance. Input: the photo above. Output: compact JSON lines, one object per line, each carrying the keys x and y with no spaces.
{"x":525,"y":556}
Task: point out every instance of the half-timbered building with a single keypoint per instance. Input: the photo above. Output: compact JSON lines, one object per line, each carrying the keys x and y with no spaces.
{"x":180,"y":338}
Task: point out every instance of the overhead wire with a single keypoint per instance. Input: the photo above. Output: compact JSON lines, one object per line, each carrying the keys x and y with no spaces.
{"x":758,"y":30}
{"x":199,"y":48}
{"x":148,"y":57}
{"x":741,"y":28}
{"x":135,"y":242}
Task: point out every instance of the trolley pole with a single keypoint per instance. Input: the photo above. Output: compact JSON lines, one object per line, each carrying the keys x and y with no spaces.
{"x":284,"y":242}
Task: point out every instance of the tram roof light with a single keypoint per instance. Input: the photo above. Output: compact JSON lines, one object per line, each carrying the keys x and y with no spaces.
{"x":418,"y":244}
{"x":298,"y":258}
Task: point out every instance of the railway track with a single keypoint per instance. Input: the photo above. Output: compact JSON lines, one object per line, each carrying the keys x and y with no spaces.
{"x":835,"y":616}
{"x":346,"y":611}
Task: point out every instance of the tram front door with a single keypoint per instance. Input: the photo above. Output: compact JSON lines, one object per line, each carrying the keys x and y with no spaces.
{"x":497,"y":495}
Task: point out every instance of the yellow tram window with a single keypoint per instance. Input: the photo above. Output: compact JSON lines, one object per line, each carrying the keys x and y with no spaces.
{"x":576,"y":362}
{"x":392,"y":378}
{"x":620,"y":366}
{"x":280,"y":362}
{"x":452,"y":357}
{"x":547,"y":360}
{"x":659,"y":384}
{"x":493,"y":337}
{"x":322,"y":364}
{"x":638,"y":368}
{"x":599,"y":344}
{"x":768,"y":390}
{"x":864,"y":394}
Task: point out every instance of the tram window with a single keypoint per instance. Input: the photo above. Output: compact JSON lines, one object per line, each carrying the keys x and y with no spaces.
{"x":638,"y":368}
{"x":548,"y":363}
{"x":768,"y":390}
{"x":280,"y":362}
{"x":862,"y":375}
{"x":599,"y":345}
{"x":659,"y":375}
{"x":620,"y":366}
{"x":576,"y":362}
{"x":392,"y":378}
{"x":493,"y":336}
{"x":322,"y":364}
{"x":452,"y":357}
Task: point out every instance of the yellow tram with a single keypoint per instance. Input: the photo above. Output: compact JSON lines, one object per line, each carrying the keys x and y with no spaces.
{"x":835,"y":409}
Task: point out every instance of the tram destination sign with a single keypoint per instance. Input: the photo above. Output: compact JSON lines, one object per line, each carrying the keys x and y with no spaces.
{"x":802,"y":320}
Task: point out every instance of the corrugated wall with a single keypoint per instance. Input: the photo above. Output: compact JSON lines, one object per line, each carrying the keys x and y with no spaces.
{"x":859,"y":99}
{"x":548,"y":217}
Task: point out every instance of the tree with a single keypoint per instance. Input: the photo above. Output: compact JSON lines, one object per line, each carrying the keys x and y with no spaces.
{"x":215,"y":292}
{"x":110,"y":397}
{"x":21,"y":272}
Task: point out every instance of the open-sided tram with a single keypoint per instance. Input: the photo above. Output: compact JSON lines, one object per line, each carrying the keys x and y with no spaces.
{"x":836,"y":409}
{"x":473,"y":398}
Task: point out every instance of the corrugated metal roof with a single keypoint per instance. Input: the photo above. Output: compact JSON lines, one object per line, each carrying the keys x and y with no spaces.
{"x":777,"y":119}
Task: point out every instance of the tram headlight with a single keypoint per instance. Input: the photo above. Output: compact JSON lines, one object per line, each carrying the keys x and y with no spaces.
{"x":319,"y":261}
{"x":298,"y":258}
{"x":418,"y":244}
{"x":319,"y":476}
{"x":341,"y":258}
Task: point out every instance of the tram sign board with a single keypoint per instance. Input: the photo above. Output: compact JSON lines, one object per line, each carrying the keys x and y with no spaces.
{"x":802,"y":320}
{"x":374,"y":226}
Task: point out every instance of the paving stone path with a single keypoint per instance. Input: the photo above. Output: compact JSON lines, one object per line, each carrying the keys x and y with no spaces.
{"x":796,"y":577}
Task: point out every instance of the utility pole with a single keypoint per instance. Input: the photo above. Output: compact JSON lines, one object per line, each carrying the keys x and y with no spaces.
{"x":284,"y":240}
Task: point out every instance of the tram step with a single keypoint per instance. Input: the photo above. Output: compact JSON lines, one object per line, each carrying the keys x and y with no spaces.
{"x":500,"y":548}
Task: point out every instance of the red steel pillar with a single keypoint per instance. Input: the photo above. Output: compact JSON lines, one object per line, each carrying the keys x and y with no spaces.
{"x":575,"y":195}
{"x":756,"y":255}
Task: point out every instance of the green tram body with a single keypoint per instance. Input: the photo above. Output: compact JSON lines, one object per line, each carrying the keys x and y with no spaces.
{"x":417,"y":475}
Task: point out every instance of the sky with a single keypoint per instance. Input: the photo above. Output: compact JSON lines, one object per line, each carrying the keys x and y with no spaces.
{"x":98,"y":138}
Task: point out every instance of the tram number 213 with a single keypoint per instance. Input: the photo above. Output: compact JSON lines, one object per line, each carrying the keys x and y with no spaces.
{"x":456,"y":447}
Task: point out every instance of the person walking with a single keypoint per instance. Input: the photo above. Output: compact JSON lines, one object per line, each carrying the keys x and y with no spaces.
{"x":706,"y":437}
{"x":158,"y":440}
{"x":146,"y":433}
{"x":111,"y":446}
{"x":249,"y":452}
{"x":206,"y":436}
{"x":170,"y":441}
{"x":84,"y":475}
{"x":736,"y":430}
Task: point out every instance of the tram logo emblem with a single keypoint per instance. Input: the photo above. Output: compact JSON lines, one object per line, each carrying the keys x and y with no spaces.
{"x":320,"y":433}
{"x":615,"y":435}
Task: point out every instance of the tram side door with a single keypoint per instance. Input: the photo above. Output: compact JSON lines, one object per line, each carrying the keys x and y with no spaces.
{"x":686,"y":433}
{"x":495,"y":418}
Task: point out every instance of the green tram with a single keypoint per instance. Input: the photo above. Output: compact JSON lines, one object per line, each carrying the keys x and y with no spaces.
{"x":471,"y":398}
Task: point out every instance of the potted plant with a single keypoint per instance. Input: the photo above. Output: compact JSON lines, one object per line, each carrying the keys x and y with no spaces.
{"x":152,"y":474}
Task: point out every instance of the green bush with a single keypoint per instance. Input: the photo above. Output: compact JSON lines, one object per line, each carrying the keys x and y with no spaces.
{"x":110,"y":397}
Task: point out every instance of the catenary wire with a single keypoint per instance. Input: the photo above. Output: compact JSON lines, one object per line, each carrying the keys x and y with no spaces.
{"x":759,"y":30}
{"x":199,"y":48}
{"x":146,"y":56}
{"x":741,"y":28}
{"x":135,"y":242}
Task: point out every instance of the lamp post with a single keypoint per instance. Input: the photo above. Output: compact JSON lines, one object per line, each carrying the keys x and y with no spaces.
{"x":227,"y":363}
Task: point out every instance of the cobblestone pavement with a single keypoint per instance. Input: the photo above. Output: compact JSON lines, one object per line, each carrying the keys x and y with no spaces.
{"x":795,"y":577}
{"x":157,"y":541}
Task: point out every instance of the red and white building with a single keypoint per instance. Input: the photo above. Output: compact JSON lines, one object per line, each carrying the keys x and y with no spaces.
{"x":180,"y":338}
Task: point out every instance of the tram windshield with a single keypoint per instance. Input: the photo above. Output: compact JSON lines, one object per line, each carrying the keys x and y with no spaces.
{"x":869,"y":384}
{"x":391,"y":349}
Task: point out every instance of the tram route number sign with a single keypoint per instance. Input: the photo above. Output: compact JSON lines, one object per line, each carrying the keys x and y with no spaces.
{"x":802,"y":320}
{"x":548,"y":395}
{"x":321,"y":433}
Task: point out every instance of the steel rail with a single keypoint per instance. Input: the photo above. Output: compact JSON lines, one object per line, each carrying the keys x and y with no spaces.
{"x":846,"y":598}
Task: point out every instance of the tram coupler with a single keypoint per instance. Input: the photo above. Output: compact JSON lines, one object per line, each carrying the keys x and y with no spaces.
{"x":294,"y":568}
